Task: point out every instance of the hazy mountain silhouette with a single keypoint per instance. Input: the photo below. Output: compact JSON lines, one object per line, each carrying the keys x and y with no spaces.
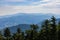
{"x":22,"y":18}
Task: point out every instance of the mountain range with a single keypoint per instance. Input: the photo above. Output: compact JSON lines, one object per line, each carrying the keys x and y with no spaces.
{"x":22,"y":18}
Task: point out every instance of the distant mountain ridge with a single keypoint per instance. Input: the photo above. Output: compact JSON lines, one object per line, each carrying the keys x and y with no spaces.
{"x":21,"y":18}
{"x":23,"y":27}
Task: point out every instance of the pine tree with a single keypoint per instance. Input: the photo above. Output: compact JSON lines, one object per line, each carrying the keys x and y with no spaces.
{"x":34,"y":31}
{"x":44,"y":33}
{"x":28,"y":35}
{"x":58,"y":31}
{"x":7,"y":33}
{"x":18,"y":35}
{"x":18,"y":30}
{"x":53,"y":29}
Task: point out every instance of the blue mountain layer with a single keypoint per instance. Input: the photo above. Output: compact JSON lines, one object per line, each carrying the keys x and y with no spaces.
{"x":22,"y":18}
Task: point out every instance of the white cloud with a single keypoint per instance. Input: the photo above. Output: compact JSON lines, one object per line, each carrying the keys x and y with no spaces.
{"x":50,"y":7}
{"x":14,"y":0}
{"x":46,"y":0}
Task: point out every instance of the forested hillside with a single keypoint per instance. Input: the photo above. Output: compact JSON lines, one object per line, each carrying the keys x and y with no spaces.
{"x":50,"y":30}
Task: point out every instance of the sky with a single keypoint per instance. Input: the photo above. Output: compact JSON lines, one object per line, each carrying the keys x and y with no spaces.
{"x":9,"y":7}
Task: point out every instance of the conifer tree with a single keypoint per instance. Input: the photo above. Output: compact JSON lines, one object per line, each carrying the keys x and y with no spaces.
{"x":18,"y":35}
{"x":44,"y":33}
{"x":34,"y":31}
{"x":53,"y":29}
{"x":7,"y":33}
{"x":18,"y":30}
{"x":58,"y":31}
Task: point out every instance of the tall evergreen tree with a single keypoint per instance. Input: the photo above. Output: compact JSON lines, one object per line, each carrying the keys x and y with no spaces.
{"x":44,"y":33}
{"x":18,"y":35}
{"x":18,"y":30}
{"x":58,"y":31}
{"x":28,"y":35}
{"x":53,"y":29}
{"x":7,"y":33}
{"x":34,"y":31}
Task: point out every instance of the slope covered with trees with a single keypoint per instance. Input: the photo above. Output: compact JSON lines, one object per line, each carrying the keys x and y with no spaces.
{"x":50,"y":31}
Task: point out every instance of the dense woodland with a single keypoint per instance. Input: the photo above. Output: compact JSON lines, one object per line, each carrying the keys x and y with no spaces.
{"x":50,"y":30}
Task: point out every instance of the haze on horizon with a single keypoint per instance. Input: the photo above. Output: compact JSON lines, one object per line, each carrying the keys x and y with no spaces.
{"x":9,"y":7}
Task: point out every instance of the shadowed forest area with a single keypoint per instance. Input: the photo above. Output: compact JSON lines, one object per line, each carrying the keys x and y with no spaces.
{"x":50,"y":30}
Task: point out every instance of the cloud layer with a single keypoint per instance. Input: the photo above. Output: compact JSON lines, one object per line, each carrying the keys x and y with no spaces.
{"x":8,"y":7}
